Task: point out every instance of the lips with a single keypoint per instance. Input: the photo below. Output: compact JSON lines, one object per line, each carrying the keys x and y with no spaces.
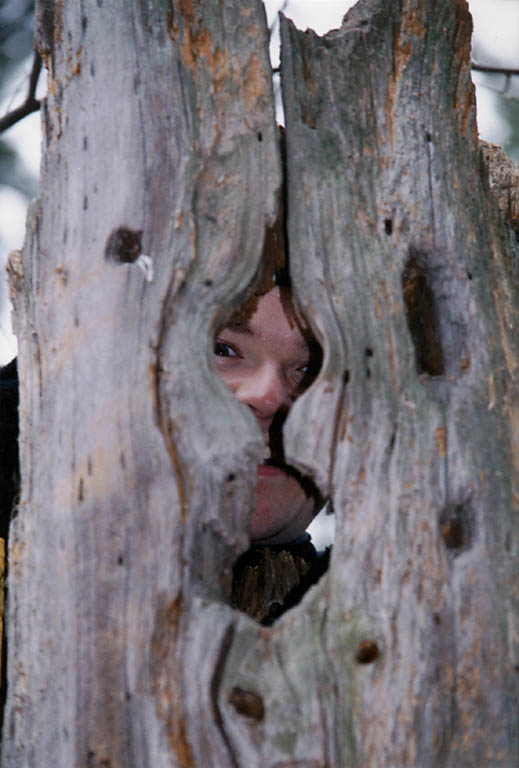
{"x":270,"y":470}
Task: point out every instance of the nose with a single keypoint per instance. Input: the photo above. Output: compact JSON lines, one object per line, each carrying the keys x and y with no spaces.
{"x":265,"y":392}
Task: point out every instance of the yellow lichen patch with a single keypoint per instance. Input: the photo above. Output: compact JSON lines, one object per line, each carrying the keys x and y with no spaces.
{"x":254,"y":86}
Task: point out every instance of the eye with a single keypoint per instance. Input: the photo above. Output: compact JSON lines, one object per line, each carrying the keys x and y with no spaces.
{"x":222,"y":349}
{"x":298,"y":375}
{"x":304,"y":375}
{"x":301,"y":372}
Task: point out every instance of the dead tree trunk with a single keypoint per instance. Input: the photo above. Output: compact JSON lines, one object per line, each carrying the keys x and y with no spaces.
{"x":159,"y":173}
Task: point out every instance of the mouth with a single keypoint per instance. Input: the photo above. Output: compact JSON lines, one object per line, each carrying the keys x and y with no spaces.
{"x":270,"y":468}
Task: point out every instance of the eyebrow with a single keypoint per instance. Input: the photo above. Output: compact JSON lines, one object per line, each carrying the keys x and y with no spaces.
{"x":239,"y":327}
{"x":247,"y":330}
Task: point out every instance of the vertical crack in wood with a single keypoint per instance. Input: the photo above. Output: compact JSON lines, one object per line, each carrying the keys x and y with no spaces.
{"x":215,"y":689}
{"x":422,"y":315}
{"x":335,"y":434}
{"x":165,"y":423}
{"x":430,"y":149}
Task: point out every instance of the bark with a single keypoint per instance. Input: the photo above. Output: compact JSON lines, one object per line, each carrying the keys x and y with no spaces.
{"x":138,"y":465}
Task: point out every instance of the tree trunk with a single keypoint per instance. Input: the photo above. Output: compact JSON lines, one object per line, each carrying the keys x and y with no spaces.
{"x":159,"y":174}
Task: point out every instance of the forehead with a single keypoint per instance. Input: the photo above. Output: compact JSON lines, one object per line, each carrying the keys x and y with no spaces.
{"x":272,"y":321}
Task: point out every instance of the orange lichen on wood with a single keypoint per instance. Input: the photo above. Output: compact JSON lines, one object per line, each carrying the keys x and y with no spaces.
{"x":193,"y":46}
{"x":254,"y":86}
{"x":402,"y":49}
{"x":392,"y":359}
{"x":440,"y":438}
{"x":166,"y":678}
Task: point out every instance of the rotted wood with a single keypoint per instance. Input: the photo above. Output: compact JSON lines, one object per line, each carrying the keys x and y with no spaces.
{"x":503,"y":176}
{"x":401,"y":257}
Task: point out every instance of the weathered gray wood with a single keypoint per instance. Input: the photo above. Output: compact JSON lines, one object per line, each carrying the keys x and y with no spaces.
{"x":159,"y":120}
{"x":138,"y":465}
{"x":384,"y":167}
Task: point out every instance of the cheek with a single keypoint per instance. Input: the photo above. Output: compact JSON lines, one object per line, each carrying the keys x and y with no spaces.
{"x":228,"y":377}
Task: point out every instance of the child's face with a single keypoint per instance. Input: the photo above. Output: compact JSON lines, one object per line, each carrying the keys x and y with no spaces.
{"x":265,"y":362}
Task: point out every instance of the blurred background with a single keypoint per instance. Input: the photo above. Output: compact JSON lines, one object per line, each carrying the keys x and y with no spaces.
{"x":495,"y":44}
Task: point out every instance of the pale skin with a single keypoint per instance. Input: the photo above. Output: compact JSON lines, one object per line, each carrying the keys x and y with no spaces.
{"x":265,"y":361}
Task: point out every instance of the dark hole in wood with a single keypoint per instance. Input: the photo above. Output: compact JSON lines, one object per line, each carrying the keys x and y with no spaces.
{"x":469,"y":275}
{"x":368,"y":352}
{"x":208,"y":283}
{"x":456,"y":526}
{"x":436,"y":618}
{"x":247,"y":703}
{"x":120,"y":560}
{"x":422,"y":317}
{"x":452,"y":532}
{"x":230,"y":478}
{"x":388,"y":226}
{"x":123,"y":246}
{"x":260,"y":136}
{"x":428,"y":137}
{"x":346,"y":376}
{"x":367,"y":652}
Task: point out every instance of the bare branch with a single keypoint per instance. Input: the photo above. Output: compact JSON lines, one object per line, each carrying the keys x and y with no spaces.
{"x":276,"y":19}
{"x":494,"y":70}
{"x":31,"y":103}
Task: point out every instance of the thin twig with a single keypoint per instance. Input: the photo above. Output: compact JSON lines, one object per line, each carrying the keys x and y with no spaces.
{"x":276,"y":19}
{"x":494,"y":70}
{"x":31,"y":103}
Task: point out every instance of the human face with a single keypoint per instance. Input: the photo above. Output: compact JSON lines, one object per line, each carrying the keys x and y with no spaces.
{"x":266,"y":362}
